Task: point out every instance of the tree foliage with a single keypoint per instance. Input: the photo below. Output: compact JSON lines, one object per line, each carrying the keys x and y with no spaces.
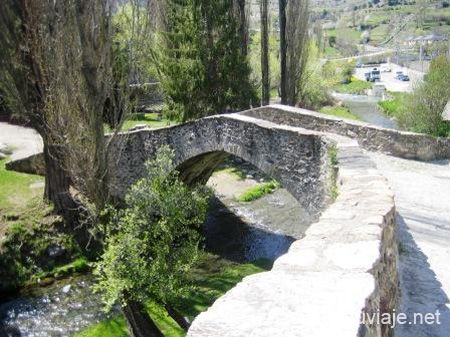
{"x":152,"y":244}
{"x":201,"y":66}
{"x":422,"y":111}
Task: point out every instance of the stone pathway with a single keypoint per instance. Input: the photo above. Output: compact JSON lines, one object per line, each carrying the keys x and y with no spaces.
{"x":422,"y":193}
{"x":23,"y":141}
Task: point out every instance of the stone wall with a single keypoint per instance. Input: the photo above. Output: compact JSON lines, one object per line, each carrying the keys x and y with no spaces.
{"x":346,"y":265}
{"x":33,"y":164}
{"x":397,"y":143}
{"x":296,"y":158}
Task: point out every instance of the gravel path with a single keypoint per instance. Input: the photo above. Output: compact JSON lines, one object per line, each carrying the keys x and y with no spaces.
{"x":23,"y":141}
{"x":423,"y":203}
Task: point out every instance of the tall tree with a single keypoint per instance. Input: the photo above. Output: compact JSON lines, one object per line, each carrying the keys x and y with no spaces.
{"x":282,"y":4}
{"x":201,"y":66}
{"x":57,"y":71}
{"x":241,"y":12}
{"x":25,"y":89}
{"x":297,"y":37}
{"x":265,"y":76}
{"x":159,"y":231}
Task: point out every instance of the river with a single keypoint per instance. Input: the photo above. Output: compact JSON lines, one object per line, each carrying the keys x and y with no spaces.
{"x":236,"y":231}
{"x":367,"y":109}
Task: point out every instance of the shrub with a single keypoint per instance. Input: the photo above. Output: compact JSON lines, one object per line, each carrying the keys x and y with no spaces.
{"x":422,"y":112}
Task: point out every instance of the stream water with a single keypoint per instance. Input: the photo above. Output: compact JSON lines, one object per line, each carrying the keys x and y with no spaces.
{"x":236,"y":231}
{"x":366,"y":107}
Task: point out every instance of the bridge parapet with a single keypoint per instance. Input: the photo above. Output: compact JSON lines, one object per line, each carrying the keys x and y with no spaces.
{"x":345,"y":266}
{"x":402,"y":144}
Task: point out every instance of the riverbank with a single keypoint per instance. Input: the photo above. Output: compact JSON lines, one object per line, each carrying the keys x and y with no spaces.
{"x":212,"y":277}
{"x":242,"y":238}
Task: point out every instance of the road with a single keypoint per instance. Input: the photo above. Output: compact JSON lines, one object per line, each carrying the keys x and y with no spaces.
{"x":389,"y":80}
{"x":23,"y":141}
{"x":422,"y":199}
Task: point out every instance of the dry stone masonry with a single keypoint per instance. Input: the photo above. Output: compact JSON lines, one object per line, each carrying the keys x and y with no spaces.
{"x":345,"y":266}
{"x":402,"y":144}
{"x":297,"y":159}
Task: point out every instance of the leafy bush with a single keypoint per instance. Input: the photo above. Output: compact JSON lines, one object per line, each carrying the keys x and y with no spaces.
{"x":392,"y":107}
{"x":422,"y":111}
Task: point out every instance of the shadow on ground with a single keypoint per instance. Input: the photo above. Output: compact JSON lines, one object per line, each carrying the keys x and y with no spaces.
{"x":422,"y":293}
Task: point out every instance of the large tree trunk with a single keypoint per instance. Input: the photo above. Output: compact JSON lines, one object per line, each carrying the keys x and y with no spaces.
{"x":283,"y":48}
{"x":177,"y":317}
{"x":57,"y":184}
{"x":139,"y":321}
{"x":243,"y":29}
{"x":265,"y":53}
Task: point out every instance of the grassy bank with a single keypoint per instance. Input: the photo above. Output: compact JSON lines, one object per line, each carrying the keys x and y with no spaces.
{"x":356,"y":87}
{"x":339,"y":111}
{"x":211,"y":278}
{"x":259,"y":191}
{"x":392,"y":106}
{"x":31,"y":247}
{"x":153,"y":120}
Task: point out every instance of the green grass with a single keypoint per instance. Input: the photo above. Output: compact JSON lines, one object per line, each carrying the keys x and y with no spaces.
{"x":153,"y":120}
{"x":233,"y":170}
{"x":259,"y":191}
{"x":116,"y":327}
{"x":333,"y":157}
{"x":356,"y":87}
{"x":15,"y":191}
{"x":212,"y":277}
{"x":339,"y":111}
{"x":78,"y":266}
{"x":17,"y":199}
{"x":392,"y":107}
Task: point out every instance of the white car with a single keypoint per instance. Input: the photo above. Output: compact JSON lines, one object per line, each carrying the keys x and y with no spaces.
{"x":385,"y":68}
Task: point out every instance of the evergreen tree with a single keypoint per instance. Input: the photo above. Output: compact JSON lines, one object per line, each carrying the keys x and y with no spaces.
{"x":202,"y":69}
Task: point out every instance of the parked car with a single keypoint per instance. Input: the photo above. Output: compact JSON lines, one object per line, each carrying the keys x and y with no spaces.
{"x":367,"y":75}
{"x":404,"y":78}
{"x":385,"y":68}
{"x":398,"y":75}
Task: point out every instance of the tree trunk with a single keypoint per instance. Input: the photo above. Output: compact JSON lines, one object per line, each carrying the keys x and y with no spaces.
{"x":243,"y":27}
{"x":283,"y":48}
{"x":57,"y":184}
{"x":177,"y":317}
{"x":265,"y":53}
{"x":139,"y":321}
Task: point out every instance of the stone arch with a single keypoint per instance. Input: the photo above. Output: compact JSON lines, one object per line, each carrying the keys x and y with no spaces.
{"x":294,"y":158}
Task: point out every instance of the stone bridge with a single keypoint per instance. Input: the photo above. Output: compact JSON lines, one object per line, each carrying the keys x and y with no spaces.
{"x":297,"y":159}
{"x":347,"y":263}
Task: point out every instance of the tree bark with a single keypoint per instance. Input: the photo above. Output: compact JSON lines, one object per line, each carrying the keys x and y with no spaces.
{"x":265,"y":53}
{"x":283,"y":48}
{"x":139,"y":321}
{"x":57,"y":184}
{"x":177,"y":317}
{"x":243,"y":27}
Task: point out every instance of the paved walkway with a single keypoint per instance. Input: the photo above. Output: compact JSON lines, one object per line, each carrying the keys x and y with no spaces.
{"x":23,"y":141}
{"x":422,"y":193}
